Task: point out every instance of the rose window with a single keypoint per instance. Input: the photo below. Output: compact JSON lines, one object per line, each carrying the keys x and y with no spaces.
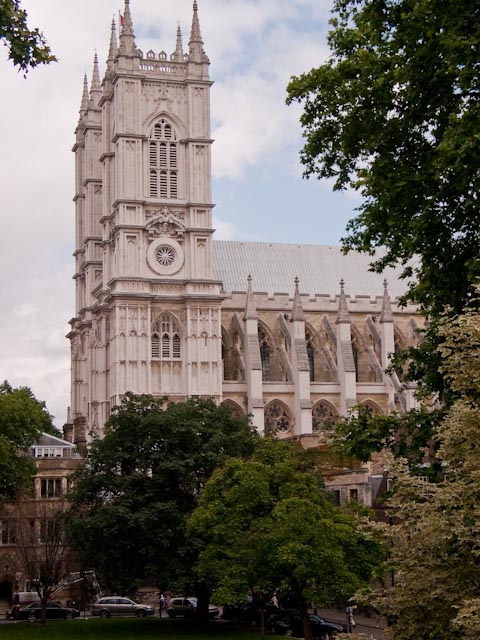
{"x":323,"y":418}
{"x":165,"y":255}
{"x":276,"y":419}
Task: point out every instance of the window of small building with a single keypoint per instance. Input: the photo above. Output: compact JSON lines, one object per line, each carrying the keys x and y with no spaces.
{"x":50,"y":487}
{"x":8,"y":531}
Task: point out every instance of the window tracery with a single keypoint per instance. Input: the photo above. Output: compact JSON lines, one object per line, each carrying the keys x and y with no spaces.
{"x":166,"y":338}
{"x":277,"y":418}
{"x":324,"y":417}
{"x":163,"y":166}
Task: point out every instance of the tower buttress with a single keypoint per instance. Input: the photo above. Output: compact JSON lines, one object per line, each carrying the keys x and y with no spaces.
{"x":346,"y":363}
{"x":253,"y":362}
{"x":300,"y":367}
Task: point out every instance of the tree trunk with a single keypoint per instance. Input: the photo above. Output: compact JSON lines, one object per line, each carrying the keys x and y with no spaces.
{"x":203,"y":594}
{"x":305,"y":618}
{"x":43,"y":608}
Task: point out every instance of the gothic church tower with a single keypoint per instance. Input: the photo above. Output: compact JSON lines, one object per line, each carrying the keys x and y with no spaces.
{"x":147,"y":306}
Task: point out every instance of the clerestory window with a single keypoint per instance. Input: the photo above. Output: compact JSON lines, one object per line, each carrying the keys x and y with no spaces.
{"x":264,"y":354}
{"x":163,"y":165}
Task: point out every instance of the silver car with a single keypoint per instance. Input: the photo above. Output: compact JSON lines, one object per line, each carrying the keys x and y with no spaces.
{"x":186,"y":607}
{"x":118,"y":606}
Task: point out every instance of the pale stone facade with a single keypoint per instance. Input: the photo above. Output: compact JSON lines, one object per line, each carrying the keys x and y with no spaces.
{"x":154,"y":311}
{"x":55,"y":460}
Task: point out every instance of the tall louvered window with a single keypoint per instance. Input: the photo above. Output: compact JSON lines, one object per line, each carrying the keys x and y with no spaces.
{"x":163,"y":156}
{"x":166,"y":338}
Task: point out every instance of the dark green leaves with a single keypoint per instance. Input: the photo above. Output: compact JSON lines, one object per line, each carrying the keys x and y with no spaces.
{"x":27,"y":47}
{"x":22,"y":420}
{"x":395,"y":115}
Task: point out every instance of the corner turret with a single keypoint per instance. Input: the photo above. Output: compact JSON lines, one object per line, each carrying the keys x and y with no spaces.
{"x":127,"y":46}
{"x":196,"y":52}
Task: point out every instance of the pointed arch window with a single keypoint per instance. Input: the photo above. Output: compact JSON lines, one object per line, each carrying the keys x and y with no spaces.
{"x":355,"y":351}
{"x":162,"y":157}
{"x":323,"y":417}
{"x":264,"y":354}
{"x":310,"y":354}
{"x":277,"y":418}
{"x":166,"y":338}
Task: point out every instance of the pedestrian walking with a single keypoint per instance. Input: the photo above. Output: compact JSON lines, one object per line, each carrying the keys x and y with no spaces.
{"x":350,"y":619}
{"x":162,"y":603}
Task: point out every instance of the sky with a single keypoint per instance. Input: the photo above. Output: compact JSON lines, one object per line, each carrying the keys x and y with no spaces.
{"x":254,"y":46}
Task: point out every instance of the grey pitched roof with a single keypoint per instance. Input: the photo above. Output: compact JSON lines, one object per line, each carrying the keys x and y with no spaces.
{"x":274,"y":266}
{"x":48,"y":440}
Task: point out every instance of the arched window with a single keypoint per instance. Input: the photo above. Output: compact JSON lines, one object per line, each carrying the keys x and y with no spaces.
{"x":324,"y":417}
{"x":355,"y":356}
{"x":162,"y":154}
{"x":264,"y":354}
{"x":277,"y":418}
{"x":166,"y":339}
{"x":399,"y":346}
{"x":370,"y":407}
{"x":310,"y":354}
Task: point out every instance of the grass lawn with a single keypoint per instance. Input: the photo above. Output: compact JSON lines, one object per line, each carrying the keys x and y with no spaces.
{"x":122,"y":629}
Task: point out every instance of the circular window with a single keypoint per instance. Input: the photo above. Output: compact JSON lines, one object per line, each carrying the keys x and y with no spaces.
{"x":277,"y":419}
{"x":165,"y":256}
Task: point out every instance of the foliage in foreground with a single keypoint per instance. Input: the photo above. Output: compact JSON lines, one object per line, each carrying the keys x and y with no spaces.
{"x":267,"y":526}
{"x":142,"y":481}
{"x":23,"y":418}
{"x":409,"y":436}
{"x":123,"y":629}
{"x":394,"y":114}
{"x":435,"y":544}
{"x":27,"y":47}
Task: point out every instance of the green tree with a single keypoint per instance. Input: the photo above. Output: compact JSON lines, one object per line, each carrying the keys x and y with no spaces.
{"x":435,"y":541}
{"x":395,"y":115}
{"x":142,"y":481}
{"x":410,"y":436}
{"x":27,"y":47}
{"x":23,"y":418}
{"x":266,"y":525}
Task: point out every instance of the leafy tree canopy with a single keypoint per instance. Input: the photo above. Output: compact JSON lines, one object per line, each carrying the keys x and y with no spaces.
{"x":23,"y":418}
{"x":434,"y":543}
{"x":267,"y":525}
{"x":142,"y":481}
{"x":410,"y":436}
{"x":395,"y":114}
{"x":27,"y":47}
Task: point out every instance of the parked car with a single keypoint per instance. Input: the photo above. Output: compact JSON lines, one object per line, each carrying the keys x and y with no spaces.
{"x":187,"y":606}
{"x":119,"y":606}
{"x":54,"y":611}
{"x":289,"y":623}
{"x":249,"y":613}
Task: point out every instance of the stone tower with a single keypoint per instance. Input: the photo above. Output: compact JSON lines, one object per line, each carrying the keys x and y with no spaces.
{"x":147,"y":314}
